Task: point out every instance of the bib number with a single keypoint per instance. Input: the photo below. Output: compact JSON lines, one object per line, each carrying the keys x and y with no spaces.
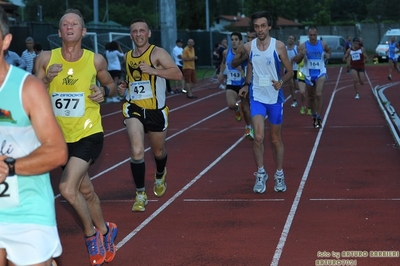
{"x":264,"y":81}
{"x":355,"y":57}
{"x":140,"y":90}
{"x":68,"y":104}
{"x":314,"y":64}
{"x":9,"y":196}
{"x":234,"y":75}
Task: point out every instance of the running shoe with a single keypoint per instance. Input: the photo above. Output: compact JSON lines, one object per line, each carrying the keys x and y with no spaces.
{"x":261,"y":182}
{"x":390,"y":77}
{"x":249,"y":133}
{"x":357,"y":96}
{"x":140,"y":202}
{"x":309,"y":111}
{"x":160,"y":186}
{"x":109,"y":239}
{"x":95,"y":246}
{"x":238,"y":115}
{"x":319,"y":122}
{"x":294,"y":104}
{"x":184,"y":91}
{"x":303,"y":110}
{"x":280,"y":185}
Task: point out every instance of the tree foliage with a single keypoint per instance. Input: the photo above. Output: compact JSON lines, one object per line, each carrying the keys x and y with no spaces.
{"x":192,"y":14}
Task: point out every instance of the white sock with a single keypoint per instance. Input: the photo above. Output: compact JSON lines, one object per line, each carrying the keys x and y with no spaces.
{"x":261,"y":170}
{"x":279,"y":172}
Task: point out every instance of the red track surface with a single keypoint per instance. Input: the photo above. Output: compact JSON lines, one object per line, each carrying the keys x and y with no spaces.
{"x":343,"y":187}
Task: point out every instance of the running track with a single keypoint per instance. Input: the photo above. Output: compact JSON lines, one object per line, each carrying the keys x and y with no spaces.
{"x":343,"y":187}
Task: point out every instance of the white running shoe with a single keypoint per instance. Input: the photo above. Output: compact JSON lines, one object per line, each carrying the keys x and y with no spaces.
{"x":261,"y":182}
{"x":280,"y":185}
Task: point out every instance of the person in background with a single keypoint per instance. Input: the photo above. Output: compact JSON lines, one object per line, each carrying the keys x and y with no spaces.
{"x":14,"y":59}
{"x":221,"y":48}
{"x":392,"y":51}
{"x":189,"y":68}
{"x":235,"y":79}
{"x":264,"y":80}
{"x":113,"y":55}
{"x":303,"y":91}
{"x":177,"y":56}
{"x":314,"y":52}
{"x":38,"y":49}
{"x":347,"y":46}
{"x":32,"y":145}
{"x":358,"y":57}
{"x":71,"y":74}
{"x":145,"y":110}
{"x":291,"y":48}
{"x":29,"y":54}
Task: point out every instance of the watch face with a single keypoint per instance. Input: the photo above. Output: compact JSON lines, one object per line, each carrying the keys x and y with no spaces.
{"x":9,"y":160}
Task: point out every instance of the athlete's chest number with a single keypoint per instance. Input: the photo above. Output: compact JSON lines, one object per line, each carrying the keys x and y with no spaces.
{"x":3,"y":189}
{"x":314,"y":64}
{"x":140,"y":90}
{"x":9,"y":195}
{"x":65,"y":103}
{"x":68,"y":104}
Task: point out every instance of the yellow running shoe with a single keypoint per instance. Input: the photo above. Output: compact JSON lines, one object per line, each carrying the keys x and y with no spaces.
{"x":160,"y":186}
{"x":140,"y":202}
{"x":309,"y":111}
{"x":238,"y":115}
{"x":303,"y":110}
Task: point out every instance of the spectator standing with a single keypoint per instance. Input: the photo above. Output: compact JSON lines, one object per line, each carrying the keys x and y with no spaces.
{"x":189,"y":67}
{"x":14,"y":59}
{"x":177,"y":56}
{"x":113,"y":55}
{"x":29,"y":54}
{"x":33,"y":145}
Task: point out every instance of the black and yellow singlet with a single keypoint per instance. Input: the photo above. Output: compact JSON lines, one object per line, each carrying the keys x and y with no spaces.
{"x":144,"y":90}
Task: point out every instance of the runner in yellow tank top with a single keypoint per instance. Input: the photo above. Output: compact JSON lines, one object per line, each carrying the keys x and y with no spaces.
{"x":145,"y":110}
{"x":71,"y":74}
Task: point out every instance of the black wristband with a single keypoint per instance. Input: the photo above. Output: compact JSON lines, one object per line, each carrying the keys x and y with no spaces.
{"x":246,"y":84}
{"x":106,"y":91}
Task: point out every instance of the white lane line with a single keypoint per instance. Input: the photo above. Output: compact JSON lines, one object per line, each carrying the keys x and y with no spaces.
{"x":148,"y":148}
{"x":296,"y":201}
{"x":349,"y":199}
{"x":173,"y":198}
{"x":231,"y":200}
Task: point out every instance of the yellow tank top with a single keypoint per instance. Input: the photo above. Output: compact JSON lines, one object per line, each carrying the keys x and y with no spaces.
{"x":77,"y":115}
{"x":144,"y":90}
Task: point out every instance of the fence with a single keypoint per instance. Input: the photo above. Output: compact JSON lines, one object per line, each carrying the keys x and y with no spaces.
{"x":204,"y":41}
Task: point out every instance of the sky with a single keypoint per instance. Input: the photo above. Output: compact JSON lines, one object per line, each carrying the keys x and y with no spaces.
{"x":17,"y":2}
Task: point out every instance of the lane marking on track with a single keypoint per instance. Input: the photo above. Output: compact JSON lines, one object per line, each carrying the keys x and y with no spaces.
{"x":230,"y":200}
{"x":296,"y":201}
{"x":148,"y":148}
{"x":349,"y":199}
{"x":173,"y":198}
{"x":113,"y":201}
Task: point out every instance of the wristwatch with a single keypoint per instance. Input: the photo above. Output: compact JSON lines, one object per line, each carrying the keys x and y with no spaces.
{"x":11,"y":165}
{"x":106,"y":91}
